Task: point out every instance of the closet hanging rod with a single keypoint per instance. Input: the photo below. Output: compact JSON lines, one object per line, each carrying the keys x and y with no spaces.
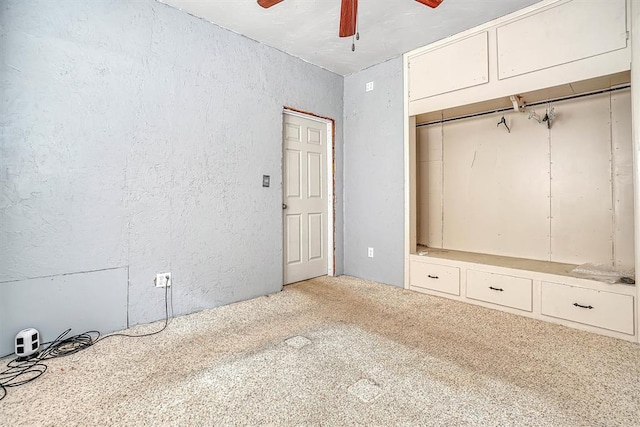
{"x":533,"y":104}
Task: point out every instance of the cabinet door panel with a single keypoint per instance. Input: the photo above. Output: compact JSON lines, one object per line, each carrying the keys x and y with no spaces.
{"x":565,"y":33}
{"x":459,"y":65}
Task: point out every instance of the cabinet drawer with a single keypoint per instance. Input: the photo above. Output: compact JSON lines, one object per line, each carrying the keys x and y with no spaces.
{"x":435,"y":277}
{"x":508,"y":291}
{"x":596,"y":308}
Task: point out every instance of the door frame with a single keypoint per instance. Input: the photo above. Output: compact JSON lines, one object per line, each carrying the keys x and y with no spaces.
{"x":330,"y":174}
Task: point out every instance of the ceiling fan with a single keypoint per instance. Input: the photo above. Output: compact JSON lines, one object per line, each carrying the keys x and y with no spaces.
{"x":349,"y":13}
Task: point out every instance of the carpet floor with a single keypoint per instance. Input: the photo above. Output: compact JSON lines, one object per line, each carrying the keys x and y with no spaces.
{"x":341,"y":351}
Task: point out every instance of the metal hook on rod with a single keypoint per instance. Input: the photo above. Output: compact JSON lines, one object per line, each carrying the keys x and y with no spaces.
{"x":549,"y":116}
{"x":504,"y":122}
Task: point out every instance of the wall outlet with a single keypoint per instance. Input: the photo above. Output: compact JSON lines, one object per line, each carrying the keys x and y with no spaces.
{"x":369,"y":87}
{"x":163,"y":280}
{"x":370,"y":252}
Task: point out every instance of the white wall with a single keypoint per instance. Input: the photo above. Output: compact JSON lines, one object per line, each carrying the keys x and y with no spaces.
{"x":135,"y":135}
{"x":562,"y":195}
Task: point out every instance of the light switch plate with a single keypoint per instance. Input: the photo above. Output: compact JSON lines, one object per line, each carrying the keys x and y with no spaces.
{"x":265,"y":180}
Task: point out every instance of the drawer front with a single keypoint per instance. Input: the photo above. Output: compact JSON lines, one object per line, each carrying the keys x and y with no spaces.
{"x":596,"y":308}
{"x":435,"y":277}
{"x":508,"y":291}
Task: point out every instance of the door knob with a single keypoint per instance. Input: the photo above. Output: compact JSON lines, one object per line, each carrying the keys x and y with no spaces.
{"x":284,"y":206}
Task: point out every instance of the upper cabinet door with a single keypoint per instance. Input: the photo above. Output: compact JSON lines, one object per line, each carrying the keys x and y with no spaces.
{"x":459,"y":65}
{"x":568,"y":32}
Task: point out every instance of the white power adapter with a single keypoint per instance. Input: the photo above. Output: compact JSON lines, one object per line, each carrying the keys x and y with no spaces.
{"x":27,"y":342}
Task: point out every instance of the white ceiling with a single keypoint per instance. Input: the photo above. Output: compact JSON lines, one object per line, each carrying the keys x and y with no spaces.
{"x":308,"y":29}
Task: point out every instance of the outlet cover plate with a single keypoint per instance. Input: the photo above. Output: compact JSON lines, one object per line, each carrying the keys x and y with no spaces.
{"x":370,"y":252}
{"x":163,"y":280}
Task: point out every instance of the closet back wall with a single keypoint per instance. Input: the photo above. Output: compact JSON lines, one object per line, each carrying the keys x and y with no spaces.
{"x":563,"y":194}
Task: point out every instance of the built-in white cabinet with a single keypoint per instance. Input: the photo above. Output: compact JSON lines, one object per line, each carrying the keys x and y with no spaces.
{"x":499,"y":216}
{"x":549,"y":44}
{"x":547,"y":293}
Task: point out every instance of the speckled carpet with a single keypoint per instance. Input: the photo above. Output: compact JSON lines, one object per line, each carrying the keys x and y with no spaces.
{"x":341,"y":351}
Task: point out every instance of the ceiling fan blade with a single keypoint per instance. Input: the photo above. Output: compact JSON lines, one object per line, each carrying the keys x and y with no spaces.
{"x":348,"y":16}
{"x":430,"y":3}
{"x":268,"y":3}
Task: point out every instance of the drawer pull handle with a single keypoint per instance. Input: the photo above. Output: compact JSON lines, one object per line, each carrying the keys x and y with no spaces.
{"x":583,"y":306}
{"x":496,"y":289}
{"x":432,"y":277}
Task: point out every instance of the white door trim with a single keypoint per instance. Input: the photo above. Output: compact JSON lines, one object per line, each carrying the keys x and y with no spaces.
{"x":330,"y":189}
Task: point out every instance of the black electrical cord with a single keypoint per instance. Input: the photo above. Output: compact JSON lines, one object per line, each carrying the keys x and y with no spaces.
{"x":62,"y":346}
{"x":24,"y":370}
{"x":19,"y":373}
{"x":166,"y":319}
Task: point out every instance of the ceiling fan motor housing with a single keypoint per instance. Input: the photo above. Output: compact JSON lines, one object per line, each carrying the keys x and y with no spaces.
{"x":349,"y":13}
{"x":430,"y":3}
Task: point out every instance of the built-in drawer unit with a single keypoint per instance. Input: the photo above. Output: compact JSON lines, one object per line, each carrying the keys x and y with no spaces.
{"x":596,"y":308}
{"x":436,"y":277}
{"x":507,"y":291}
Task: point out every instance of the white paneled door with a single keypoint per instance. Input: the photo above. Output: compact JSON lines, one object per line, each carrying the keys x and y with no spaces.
{"x":304,"y":198}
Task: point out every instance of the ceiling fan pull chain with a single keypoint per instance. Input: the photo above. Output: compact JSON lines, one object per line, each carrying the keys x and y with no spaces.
{"x":355,"y":20}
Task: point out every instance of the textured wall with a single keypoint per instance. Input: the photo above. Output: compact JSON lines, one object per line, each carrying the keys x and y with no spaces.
{"x":136,"y":135}
{"x":373,"y":174}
